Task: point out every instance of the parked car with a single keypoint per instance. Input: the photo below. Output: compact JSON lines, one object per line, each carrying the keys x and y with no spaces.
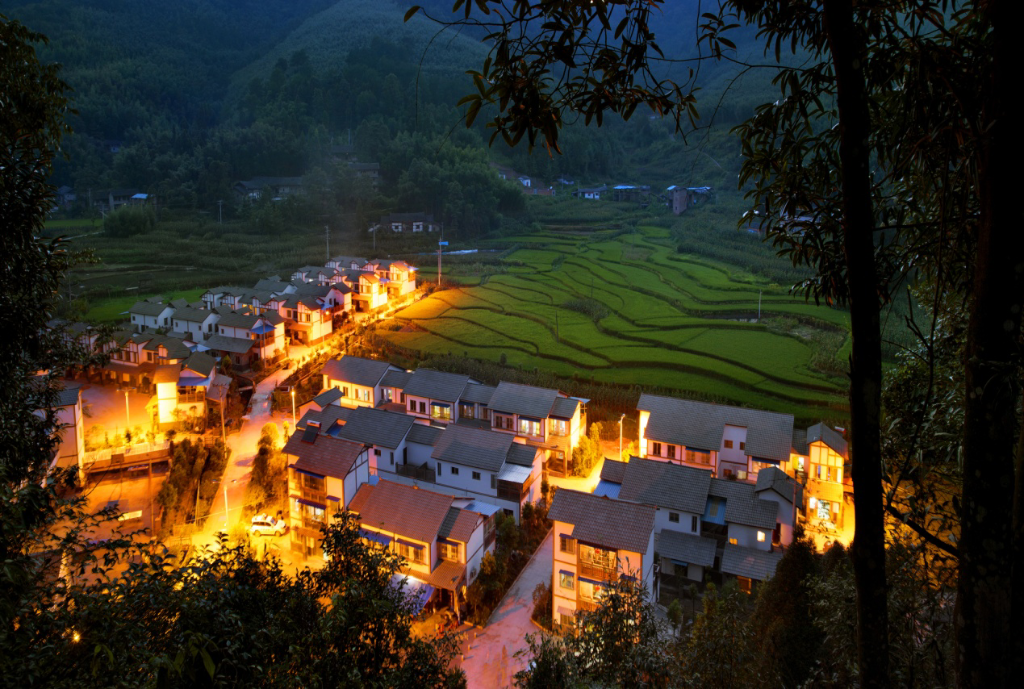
{"x":263,"y":524}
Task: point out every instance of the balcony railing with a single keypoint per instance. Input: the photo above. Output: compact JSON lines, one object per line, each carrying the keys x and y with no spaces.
{"x":598,"y":571}
{"x":297,"y":490}
{"x":420,"y":473}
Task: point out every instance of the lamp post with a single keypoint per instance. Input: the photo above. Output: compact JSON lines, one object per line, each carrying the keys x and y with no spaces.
{"x":293,"y":409}
{"x":127,"y":412}
{"x":620,"y":436}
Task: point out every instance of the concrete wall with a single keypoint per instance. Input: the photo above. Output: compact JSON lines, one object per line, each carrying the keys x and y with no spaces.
{"x":747,"y":536}
{"x":661,"y":521}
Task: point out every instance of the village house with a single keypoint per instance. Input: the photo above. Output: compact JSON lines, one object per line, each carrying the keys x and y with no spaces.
{"x":278,"y":187}
{"x":597,"y":540}
{"x":347,"y":262}
{"x":324,"y":474}
{"x":308,"y":319}
{"x":821,"y":460}
{"x":360,"y":381}
{"x":150,"y":314}
{"x":541,"y":417}
{"x":441,"y":539}
{"x":434,"y":395}
{"x":398,"y":277}
{"x":682,"y":199}
{"x":590,"y":193}
{"x":71,"y":430}
{"x":728,"y":441}
{"x":194,"y":322}
{"x":408,"y":222}
{"x":631,"y":193}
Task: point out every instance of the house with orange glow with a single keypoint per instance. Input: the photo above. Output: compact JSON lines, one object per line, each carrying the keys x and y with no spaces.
{"x":821,"y":461}
{"x":360,"y":381}
{"x":442,"y":539}
{"x":597,"y":540}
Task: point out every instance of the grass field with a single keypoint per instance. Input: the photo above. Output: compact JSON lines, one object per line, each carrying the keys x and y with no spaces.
{"x":649,"y":316}
{"x":113,"y":309}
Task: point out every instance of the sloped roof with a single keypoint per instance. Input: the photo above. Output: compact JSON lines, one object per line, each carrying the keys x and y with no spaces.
{"x":613,"y":470}
{"x":701,"y":425}
{"x":472,"y":447}
{"x":749,"y":562}
{"x":671,"y":486}
{"x":327,"y":418}
{"x":684,"y":547}
{"x":459,"y":525}
{"x":376,"y":427}
{"x":522,"y":454}
{"x":477,"y":394}
{"x":201,"y":363}
{"x":396,"y":379}
{"x":773,"y":478}
{"x":603,"y":521}
{"x":69,"y":395}
{"x":238,"y":319}
{"x":564,"y":407}
{"x":148,"y":308}
{"x":438,"y":385}
{"x":223,"y":343}
{"x":327,"y":397}
{"x":526,"y":400}
{"x":402,"y":510}
{"x":191,"y":315}
{"x":356,"y":370}
{"x":323,"y":455}
{"x":800,"y":442}
{"x":742,"y":506}
{"x":827,"y":435}
{"x":424,"y":435}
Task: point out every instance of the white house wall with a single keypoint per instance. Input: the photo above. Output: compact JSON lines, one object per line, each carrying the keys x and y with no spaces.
{"x":747,"y":536}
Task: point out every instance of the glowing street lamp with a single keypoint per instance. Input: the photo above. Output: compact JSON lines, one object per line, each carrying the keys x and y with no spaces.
{"x":293,"y":408}
{"x":620,"y":436}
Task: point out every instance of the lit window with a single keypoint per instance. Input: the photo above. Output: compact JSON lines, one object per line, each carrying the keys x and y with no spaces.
{"x":567,"y":545}
{"x":566,"y":580}
{"x":760,"y":536}
{"x":733,"y":541}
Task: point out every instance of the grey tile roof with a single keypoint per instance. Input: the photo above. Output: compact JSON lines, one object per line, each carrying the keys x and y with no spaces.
{"x":402,"y":510}
{"x":68,"y":396}
{"x":564,"y":407}
{"x":478,"y":394}
{"x":148,"y":308}
{"x":191,"y":315}
{"x":326,"y":397}
{"x":327,"y":419}
{"x":800,"y":442}
{"x":271,"y":285}
{"x":684,"y":547}
{"x":396,"y":379}
{"x":700,"y":425}
{"x":522,"y":454}
{"x":742,"y":506}
{"x":749,"y":562}
{"x":437,"y":385}
{"x":485,"y":450}
{"x":672,"y":486}
{"x":356,"y":370}
{"x":827,"y":435}
{"x":347,"y":261}
{"x":238,"y":319}
{"x":514,"y":473}
{"x":325,"y":455}
{"x":526,"y":400}
{"x":459,"y":525}
{"x":201,"y":363}
{"x":223,"y":343}
{"x":775,"y":479}
{"x":603,"y":521}
{"x":613,"y":470}
{"x":424,"y":435}
{"x":376,"y":427}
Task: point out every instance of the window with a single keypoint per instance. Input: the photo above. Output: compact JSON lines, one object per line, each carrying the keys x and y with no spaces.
{"x":466,"y":411}
{"x":567,"y":544}
{"x":693,"y":524}
{"x":760,"y":536}
{"x":439,"y":468}
{"x":376,"y":452}
{"x":727,"y":444}
{"x":441,"y":411}
{"x":825,"y":510}
{"x":734,"y":541}
{"x":449,"y":551}
{"x":412,"y":406}
{"x":673,"y":517}
{"x":344,"y":391}
{"x":392,"y":458}
{"x":503,"y":422}
{"x":494,"y":482}
{"x":455,"y":471}
{"x":412,"y":553}
{"x":567,"y":580}
{"x":366,"y":395}
{"x":423,"y":407}
{"x":559,"y":427}
{"x":476,"y":475}
{"x":529,"y":427}
{"x":698,"y":457}
{"x":656,"y":449}
{"x":745,"y":584}
{"x":743,"y":445}
{"x":671,"y":451}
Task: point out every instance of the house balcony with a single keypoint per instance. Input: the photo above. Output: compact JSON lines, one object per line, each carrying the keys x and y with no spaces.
{"x":599,"y":572}
{"x":419,"y":473}
{"x":191,"y":398}
{"x":586,"y":605}
{"x":296,"y":490}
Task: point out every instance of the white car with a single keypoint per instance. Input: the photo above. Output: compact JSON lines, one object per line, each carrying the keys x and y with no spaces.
{"x":263,"y":524}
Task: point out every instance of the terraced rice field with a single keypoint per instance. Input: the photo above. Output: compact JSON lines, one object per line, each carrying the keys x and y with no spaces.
{"x":659,"y":319}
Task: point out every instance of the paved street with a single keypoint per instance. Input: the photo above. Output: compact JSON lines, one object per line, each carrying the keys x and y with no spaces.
{"x":105,"y":406}
{"x":489,"y":659}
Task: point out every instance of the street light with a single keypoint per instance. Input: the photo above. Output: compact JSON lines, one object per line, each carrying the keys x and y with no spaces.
{"x":620,"y":435}
{"x":293,"y":408}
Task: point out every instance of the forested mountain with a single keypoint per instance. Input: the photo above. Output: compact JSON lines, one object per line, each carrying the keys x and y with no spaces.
{"x":183,"y":99}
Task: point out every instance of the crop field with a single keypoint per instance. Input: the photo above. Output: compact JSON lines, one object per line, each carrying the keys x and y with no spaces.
{"x":625,"y":307}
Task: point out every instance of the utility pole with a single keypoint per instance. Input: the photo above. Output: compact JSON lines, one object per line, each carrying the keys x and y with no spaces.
{"x":220,"y":211}
{"x":327,"y":236}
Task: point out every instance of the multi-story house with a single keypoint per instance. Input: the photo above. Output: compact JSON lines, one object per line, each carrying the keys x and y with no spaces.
{"x":398,"y":276}
{"x":265,"y":331}
{"x":408,"y":222}
{"x":386,"y":433}
{"x":441,"y":540}
{"x":434,"y":395}
{"x":471,"y":463}
{"x":597,"y":540}
{"x":150,"y":315}
{"x":307,"y":318}
{"x":541,"y":417}
{"x":347,"y":262}
{"x":361,"y":381}
{"x":71,"y":429}
{"x":368,"y":292}
{"x":698,"y":518}
{"x":820,"y":460}
{"x":324,"y":474}
{"x":196,"y":323}
{"x":728,"y":441}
